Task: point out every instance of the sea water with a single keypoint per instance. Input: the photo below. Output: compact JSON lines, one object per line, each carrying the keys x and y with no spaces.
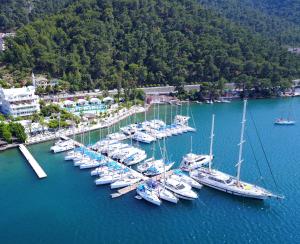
{"x":67,"y":207}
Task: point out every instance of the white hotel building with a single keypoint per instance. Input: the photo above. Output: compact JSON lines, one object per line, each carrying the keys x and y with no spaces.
{"x":19,"y":101}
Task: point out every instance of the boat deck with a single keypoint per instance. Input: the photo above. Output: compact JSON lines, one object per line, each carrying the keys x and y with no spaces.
{"x":127,"y":189}
{"x":34,"y":164}
{"x":76,"y":143}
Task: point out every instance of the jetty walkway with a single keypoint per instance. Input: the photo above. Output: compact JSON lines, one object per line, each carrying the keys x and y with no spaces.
{"x":34,"y":164}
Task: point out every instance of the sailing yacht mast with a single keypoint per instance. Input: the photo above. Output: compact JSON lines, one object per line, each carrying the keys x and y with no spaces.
{"x":242,"y":141}
{"x":211,"y":141}
{"x":164,"y":162}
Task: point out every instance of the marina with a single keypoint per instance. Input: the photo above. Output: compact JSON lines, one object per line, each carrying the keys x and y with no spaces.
{"x":70,"y":194}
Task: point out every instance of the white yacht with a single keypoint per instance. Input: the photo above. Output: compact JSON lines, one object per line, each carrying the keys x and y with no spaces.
{"x":148,"y":194}
{"x":129,"y":129}
{"x":143,"y":137}
{"x":180,"y":176}
{"x":86,"y":160}
{"x":100,"y":170}
{"x":63,"y":146}
{"x":126,"y":180}
{"x":116,"y":136}
{"x":181,"y":189}
{"x":90,"y":165}
{"x":192,"y":161}
{"x":108,"y":178}
{"x":231,"y":184}
{"x":72,"y":155}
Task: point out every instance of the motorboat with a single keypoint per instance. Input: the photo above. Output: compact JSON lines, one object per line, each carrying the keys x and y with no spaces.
{"x":192,"y":161}
{"x":143,"y":137}
{"x":62,"y":146}
{"x":180,"y":176}
{"x":181,"y":189}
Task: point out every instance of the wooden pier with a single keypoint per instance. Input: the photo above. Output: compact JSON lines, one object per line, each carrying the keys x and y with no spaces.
{"x":127,"y":189}
{"x":34,"y":164}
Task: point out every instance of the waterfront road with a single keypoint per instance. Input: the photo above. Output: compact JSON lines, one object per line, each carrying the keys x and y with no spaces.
{"x":159,"y":90}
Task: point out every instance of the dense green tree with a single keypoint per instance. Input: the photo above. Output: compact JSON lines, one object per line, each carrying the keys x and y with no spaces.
{"x":18,"y":13}
{"x":18,"y":131}
{"x":278,"y":20}
{"x":111,"y":43}
{"x":5,"y":132}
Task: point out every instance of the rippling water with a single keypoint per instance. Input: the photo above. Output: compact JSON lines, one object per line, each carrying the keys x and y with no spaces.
{"x":67,"y":207}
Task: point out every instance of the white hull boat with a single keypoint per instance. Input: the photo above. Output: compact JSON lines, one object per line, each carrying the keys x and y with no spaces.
{"x":186,"y":179}
{"x":148,"y":195}
{"x":107,"y":179}
{"x":284,"y":122}
{"x":181,"y":190}
{"x":125,"y":181}
{"x":192,"y":161}
{"x":229,"y":184}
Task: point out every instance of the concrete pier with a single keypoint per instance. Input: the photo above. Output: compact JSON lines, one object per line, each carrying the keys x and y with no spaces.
{"x":33,"y":163}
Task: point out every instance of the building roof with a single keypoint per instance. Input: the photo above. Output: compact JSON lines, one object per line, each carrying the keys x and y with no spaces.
{"x":16,"y":92}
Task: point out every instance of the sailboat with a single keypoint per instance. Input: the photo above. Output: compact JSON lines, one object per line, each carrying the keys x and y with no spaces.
{"x":231,"y":184}
{"x":285,"y":121}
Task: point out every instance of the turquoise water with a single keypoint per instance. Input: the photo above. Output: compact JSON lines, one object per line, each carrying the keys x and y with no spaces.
{"x":67,"y":207}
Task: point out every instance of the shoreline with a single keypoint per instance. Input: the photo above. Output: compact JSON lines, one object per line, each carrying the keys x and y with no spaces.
{"x":82,"y":129}
{"x":110,"y":121}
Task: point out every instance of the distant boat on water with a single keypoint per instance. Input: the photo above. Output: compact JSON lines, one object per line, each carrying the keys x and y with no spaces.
{"x":282,"y":121}
{"x":286,"y":121}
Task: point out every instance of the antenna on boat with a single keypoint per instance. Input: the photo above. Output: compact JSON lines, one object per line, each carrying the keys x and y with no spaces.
{"x":211,"y":141}
{"x":242,"y":141}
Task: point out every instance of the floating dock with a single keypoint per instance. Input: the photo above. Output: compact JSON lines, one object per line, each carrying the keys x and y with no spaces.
{"x":127,"y":189}
{"x":34,"y":164}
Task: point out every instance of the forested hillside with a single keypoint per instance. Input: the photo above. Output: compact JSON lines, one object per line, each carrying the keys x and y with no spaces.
{"x":275,"y":19}
{"x":16,"y":13}
{"x":109,"y":43}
